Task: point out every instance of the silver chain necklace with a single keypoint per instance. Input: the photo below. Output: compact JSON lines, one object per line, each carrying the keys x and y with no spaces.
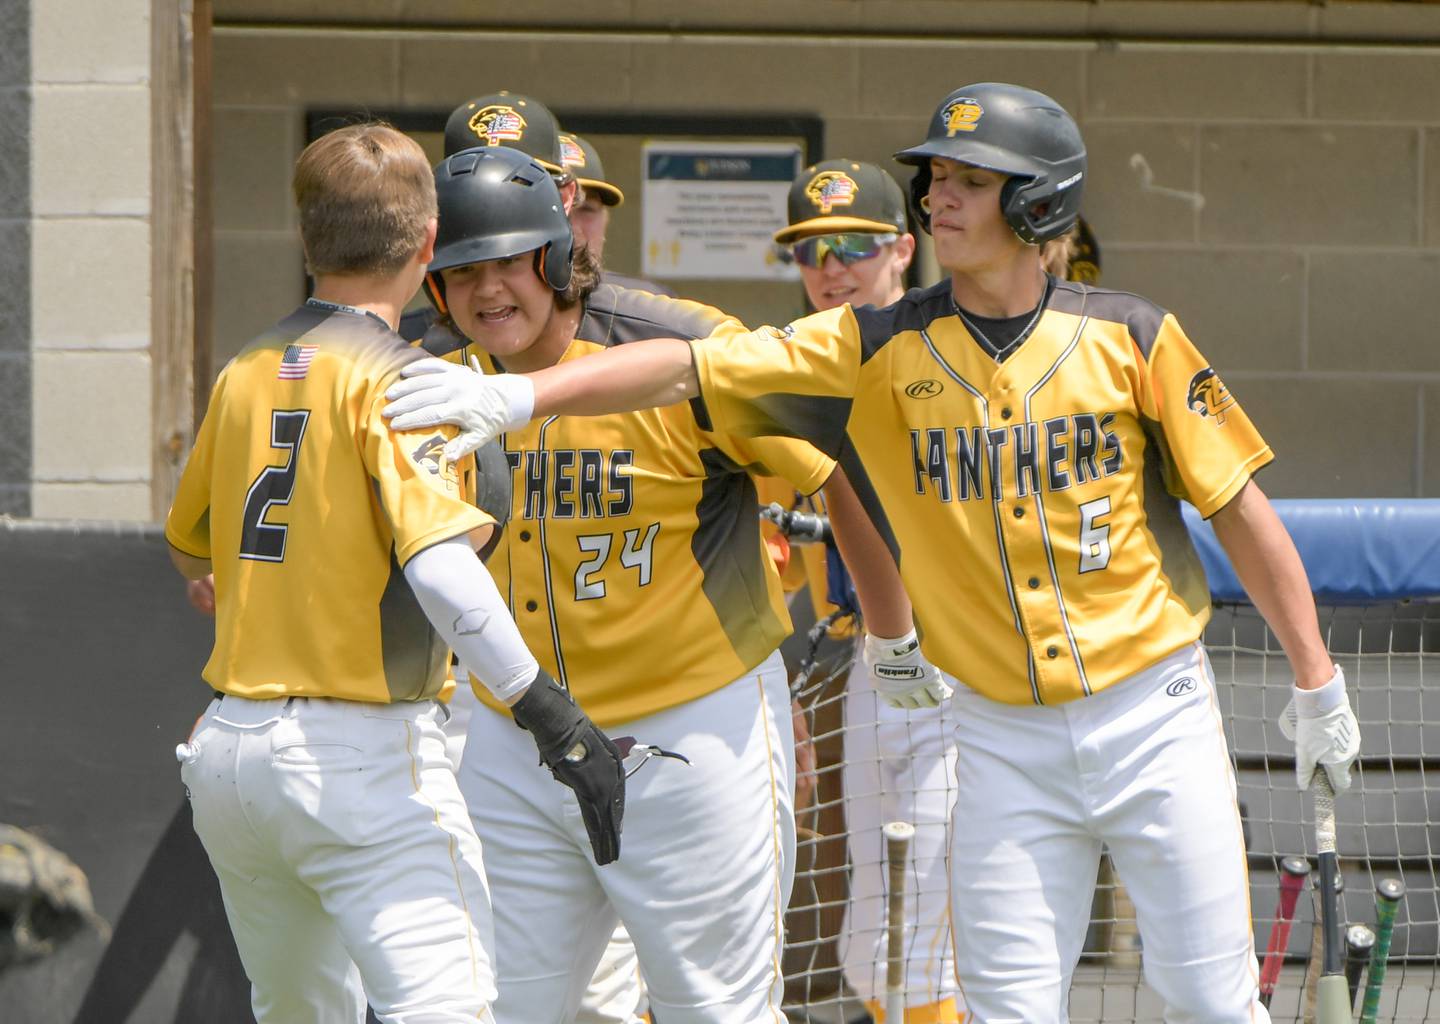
{"x":995,"y":349}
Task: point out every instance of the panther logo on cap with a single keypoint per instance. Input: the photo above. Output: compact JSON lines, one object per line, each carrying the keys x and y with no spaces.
{"x":830,"y":189}
{"x":962,"y":115}
{"x":496,"y":124}
{"x":1208,"y":396}
{"x":571,"y":155}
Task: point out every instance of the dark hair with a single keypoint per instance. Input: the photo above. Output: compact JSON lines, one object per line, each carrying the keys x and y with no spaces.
{"x":585,"y":274}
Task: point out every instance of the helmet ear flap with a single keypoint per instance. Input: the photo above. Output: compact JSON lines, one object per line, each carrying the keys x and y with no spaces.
{"x":553,"y":265}
{"x":434,"y":287}
{"x":920,"y":196}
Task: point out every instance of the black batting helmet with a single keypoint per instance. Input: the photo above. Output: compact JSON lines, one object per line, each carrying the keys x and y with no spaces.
{"x":498,"y":202}
{"x":1014,"y":131}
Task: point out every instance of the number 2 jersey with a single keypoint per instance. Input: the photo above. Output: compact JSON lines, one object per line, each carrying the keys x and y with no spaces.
{"x":308,"y":507}
{"x":633,"y":559}
{"x":1032,"y":505}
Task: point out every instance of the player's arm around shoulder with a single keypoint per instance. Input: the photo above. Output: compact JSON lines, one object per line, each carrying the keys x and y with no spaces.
{"x":1319,"y":717}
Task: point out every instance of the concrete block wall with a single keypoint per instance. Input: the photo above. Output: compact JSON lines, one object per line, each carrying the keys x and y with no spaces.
{"x":89,"y":260}
{"x":1281,"y":196}
{"x":15,"y":363}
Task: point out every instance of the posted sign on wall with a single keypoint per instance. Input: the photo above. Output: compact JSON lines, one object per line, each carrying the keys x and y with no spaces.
{"x":711,"y":208}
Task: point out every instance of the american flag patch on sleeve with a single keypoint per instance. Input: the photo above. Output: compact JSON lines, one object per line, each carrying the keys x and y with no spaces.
{"x":295,"y":363}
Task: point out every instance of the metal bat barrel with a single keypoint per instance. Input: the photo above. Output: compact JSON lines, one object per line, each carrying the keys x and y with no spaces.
{"x":1388,"y":894}
{"x":897,"y":848}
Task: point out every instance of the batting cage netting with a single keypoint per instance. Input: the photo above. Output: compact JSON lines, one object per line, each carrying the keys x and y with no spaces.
{"x":1375,"y":569}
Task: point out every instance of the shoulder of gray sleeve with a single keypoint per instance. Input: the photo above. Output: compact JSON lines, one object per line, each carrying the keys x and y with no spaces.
{"x":616,"y":316}
{"x":440,"y":339}
{"x":1141,"y":317}
{"x":916,"y":310}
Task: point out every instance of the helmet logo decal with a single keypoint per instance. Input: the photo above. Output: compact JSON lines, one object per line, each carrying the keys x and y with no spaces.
{"x":962,"y":115}
{"x":1208,"y":396}
{"x":495,"y":124}
{"x":571,"y":155}
{"x":830,"y":189}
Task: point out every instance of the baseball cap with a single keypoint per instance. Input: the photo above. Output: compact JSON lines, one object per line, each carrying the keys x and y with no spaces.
{"x":581,"y":160}
{"x":506,"y":119}
{"x":842,"y":195}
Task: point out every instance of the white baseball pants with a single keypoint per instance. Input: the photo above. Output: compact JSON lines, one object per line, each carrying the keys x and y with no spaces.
{"x":705,"y":869}
{"x":1141,"y":766}
{"x":345,"y":855}
{"x":616,"y":994}
{"x":899,"y":766}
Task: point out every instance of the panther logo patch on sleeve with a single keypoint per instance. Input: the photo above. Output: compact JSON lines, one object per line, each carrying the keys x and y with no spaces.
{"x":1208,"y":396}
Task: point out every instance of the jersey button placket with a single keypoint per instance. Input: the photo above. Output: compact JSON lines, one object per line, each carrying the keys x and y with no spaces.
{"x":524,"y":536}
{"x":531,"y":606}
{"x":1052,"y":652}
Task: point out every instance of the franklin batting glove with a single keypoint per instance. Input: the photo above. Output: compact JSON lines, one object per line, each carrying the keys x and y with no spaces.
{"x":580,"y":756}
{"x":1325,"y":733}
{"x":483,"y":406}
{"x":900,"y":673}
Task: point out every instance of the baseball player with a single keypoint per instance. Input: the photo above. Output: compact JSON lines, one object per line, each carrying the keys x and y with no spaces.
{"x":847,"y":232}
{"x":524,"y":124}
{"x":317,"y":774}
{"x":1021,"y":445}
{"x":512,"y":121}
{"x":634,"y":566}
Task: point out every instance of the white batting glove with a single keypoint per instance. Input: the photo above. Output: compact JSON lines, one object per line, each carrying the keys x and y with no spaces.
{"x":483,"y":406}
{"x":900,"y":673}
{"x":1325,"y":733}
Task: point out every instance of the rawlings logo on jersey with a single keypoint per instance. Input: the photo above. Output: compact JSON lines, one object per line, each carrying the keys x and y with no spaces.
{"x":830,"y":189}
{"x":962,"y":115}
{"x":496,"y":123}
{"x":972,"y":463}
{"x":927,"y":388}
{"x":1208,"y":396}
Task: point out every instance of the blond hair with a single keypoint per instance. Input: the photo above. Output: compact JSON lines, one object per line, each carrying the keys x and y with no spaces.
{"x":365,"y":194}
{"x":1057,"y":254}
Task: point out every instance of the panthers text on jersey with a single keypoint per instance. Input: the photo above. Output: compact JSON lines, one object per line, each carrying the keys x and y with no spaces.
{"x":633,"y":559}
{"x":1032,"y":505}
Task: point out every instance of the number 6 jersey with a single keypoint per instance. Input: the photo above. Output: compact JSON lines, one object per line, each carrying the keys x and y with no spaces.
{"x":308,"y":506}
{"x":1031,"y":504}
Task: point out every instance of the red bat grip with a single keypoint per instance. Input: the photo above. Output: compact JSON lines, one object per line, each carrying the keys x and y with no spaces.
{"x":1292,"y":880}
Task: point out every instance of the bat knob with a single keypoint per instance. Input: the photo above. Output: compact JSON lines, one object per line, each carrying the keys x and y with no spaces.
{"x":899,"y":830}
{"x":1298,"y":866}
{"x":1390,"y":889}
{"x":1359,"y":938}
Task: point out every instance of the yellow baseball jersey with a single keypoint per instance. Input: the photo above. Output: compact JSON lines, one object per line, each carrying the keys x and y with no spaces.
{"x":1032,"y":505}
{"x":633,"y":559}
{"x":308,"y":507}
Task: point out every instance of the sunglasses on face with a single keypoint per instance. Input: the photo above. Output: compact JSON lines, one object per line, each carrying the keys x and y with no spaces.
{"x":848,"y":248}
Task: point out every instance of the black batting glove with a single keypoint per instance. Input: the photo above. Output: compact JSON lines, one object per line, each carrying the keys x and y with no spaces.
{"x":580,"y":756}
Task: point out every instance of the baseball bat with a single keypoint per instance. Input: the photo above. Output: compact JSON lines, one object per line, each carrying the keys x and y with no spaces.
{"x":1359,"y":941}
{"x":897,"y":848}
{"x":1388,"y":894}
{"x":1293,"y":871}
{"x":1331,"y":1004}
